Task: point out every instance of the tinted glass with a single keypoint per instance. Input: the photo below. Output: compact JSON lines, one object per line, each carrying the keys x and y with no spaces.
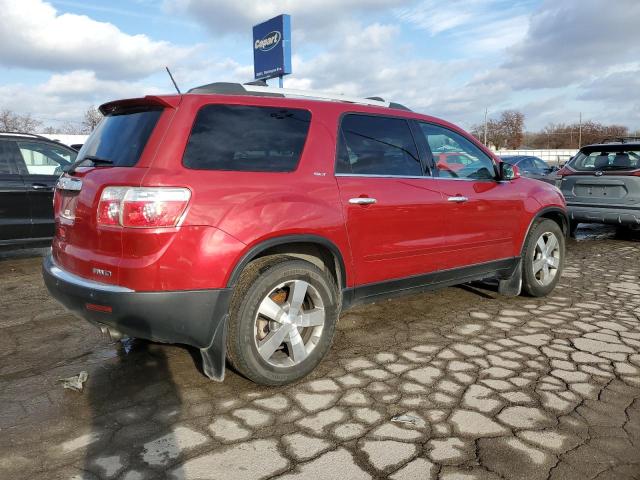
{"x":243,"y":138}
{"x":7,"y":164}
{"x":612,"y":158}
{"x":45,"y":159}
{"x":540,"y":164}
{"x":121,"y":137}
{"x":377,"y":146}
{"x":447,"y":147}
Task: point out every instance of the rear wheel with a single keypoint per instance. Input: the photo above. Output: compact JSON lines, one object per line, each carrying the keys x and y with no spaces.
{"x":282,"y":320}
{"x":543,"y":258}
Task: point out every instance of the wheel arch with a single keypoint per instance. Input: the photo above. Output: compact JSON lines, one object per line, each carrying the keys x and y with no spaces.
{"x":557,"y":214}
{"x":316,"y":249}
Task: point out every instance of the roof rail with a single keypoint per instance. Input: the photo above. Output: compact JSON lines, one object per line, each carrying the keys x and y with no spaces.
{"x":226,"y":88}
{"x":620,"y":140}
{"x":33,"y":135}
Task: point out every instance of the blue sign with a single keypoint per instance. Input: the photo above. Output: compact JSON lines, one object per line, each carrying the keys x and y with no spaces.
{"x":272,"y":48}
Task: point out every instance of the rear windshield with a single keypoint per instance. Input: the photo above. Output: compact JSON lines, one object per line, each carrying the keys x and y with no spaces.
{"x":121,"y":137}
{"x":246,"y":138}
{"x":606,"y":159}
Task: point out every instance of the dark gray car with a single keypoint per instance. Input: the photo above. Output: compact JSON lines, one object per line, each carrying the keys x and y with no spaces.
{"x":602,"y":183}
{"x":530,"y":166}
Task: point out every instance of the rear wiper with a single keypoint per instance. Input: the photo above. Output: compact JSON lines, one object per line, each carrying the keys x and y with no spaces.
{"x":91,"y":158}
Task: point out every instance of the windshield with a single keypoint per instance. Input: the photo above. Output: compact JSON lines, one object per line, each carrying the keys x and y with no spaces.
{"x":120,"y":138}
{"x":606,"y":158}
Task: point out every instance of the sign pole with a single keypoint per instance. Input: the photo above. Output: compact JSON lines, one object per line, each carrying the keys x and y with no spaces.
{"x":281,"y":81}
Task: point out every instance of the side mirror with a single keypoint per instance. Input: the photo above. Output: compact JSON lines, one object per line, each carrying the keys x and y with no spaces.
{"x":508,"y":172}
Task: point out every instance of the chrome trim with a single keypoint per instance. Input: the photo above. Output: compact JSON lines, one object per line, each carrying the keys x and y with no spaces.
{"x":362,"y":201}
{"x":457,"y":199}
{"x":382,"y":176}
{"x":471,"y":179}
{"x":83,"y":282}
{"x":69,"y":183}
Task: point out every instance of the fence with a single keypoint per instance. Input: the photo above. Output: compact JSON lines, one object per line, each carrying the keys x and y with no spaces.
{"x":552,"y":157}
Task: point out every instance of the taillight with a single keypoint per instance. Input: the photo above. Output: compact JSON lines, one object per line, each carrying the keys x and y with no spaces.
{"x":564,"y":171}
{"x":142,"y":207}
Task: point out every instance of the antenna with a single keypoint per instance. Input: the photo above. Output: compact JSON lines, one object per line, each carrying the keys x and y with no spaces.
{"x":174,"y":82}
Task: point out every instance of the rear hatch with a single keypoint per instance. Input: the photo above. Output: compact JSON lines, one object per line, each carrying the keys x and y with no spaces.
{"x":604,"y":176}
{"x":117,"y":153}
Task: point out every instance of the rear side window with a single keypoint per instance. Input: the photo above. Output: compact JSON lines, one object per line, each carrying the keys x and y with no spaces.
{"x":612,"y":158}
{"x":121,"y":137}
{"x":246,"y":138}
{"x":7,"y":158}
{"x":372,"y":145}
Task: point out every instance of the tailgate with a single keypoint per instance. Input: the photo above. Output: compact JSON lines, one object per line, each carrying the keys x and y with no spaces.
{"x":602,"y":190}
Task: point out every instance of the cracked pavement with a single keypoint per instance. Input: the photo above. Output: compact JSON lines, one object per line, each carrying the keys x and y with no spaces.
{"x":488,"y":388}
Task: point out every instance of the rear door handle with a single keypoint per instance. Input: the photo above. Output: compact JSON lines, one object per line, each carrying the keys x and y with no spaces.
{"x":457,"y":199}
{"x":40,"y":186}
{"x":362,"y":201}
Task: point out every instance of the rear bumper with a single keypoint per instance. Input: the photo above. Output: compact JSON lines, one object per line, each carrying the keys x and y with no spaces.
{"x":614,"y":215}
{"x":191,"y":317}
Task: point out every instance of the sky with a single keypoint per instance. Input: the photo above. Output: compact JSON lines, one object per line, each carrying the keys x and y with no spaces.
{"x":552,"y":60}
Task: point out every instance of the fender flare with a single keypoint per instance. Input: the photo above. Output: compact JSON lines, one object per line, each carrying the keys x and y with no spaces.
{"x":542,"y":212}
{"x":257,"y":249}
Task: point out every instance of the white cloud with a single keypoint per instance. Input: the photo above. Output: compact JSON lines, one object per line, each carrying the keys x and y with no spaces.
{"x":33,"y":35}
{"x":310,"y":17}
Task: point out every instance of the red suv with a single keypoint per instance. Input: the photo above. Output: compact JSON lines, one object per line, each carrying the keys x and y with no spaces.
{"x":242,"y":219}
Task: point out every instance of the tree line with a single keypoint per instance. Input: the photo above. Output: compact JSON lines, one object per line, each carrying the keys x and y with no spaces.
{"x":25,"y":123}
{"x":506,"y":131}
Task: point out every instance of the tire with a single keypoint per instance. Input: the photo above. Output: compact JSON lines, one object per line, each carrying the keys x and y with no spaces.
{"x":268,"y":286}
{"x":539,"y":282}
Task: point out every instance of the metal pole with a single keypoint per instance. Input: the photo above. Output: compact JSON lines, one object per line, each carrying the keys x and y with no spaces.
{"x":485,"y":127}
{"x":580,"y":133}
{"x":281,"y":81}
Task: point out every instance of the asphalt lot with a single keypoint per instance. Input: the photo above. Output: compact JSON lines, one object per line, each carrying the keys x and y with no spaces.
{"x":494,"y":387}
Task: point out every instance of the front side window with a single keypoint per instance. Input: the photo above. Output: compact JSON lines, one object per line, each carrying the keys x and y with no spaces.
{"x":247,"y":138}
{"x":455,"y":156}
{"x":375,"y":145}
{"x":45,"y":159}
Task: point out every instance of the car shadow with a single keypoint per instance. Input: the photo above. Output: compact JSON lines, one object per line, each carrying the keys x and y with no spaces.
{"x":134,"y":404}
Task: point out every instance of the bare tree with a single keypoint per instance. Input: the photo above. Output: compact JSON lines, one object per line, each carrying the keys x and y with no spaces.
{"x":507,"y":131}
{"x":567,"y":135}
{"x":91,"y":118}
{"x":14,"y":122}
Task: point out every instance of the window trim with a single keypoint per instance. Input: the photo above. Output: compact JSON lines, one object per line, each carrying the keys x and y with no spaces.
{"x":204,"y":105}
{"x":424,"y":166}
{"x":435,"y":169}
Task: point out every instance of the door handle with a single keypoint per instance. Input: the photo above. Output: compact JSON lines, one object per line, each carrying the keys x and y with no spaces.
{"x":362,"y":201}
{"x":457,"y":199}
{"x":40,"y":186}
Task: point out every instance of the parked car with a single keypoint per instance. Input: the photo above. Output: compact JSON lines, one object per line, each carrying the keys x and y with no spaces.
{"x":532,"y":167}
{"x":602,"y":183}
{"x":243,"y":219}
{"x":29,"y":168}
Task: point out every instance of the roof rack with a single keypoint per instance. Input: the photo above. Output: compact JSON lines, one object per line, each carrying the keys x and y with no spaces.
{"x":258,"y":89}
{"x":620,"y":140}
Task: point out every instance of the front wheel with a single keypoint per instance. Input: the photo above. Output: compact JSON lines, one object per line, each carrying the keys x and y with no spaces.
{"x":282,"y":320}
{"x":543,"y":258}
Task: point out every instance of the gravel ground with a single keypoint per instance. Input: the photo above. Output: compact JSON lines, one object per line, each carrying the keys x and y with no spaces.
{"x":487,"y":386}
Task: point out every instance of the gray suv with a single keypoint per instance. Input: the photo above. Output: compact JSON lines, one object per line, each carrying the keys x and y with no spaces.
{"x":601,"y":184}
